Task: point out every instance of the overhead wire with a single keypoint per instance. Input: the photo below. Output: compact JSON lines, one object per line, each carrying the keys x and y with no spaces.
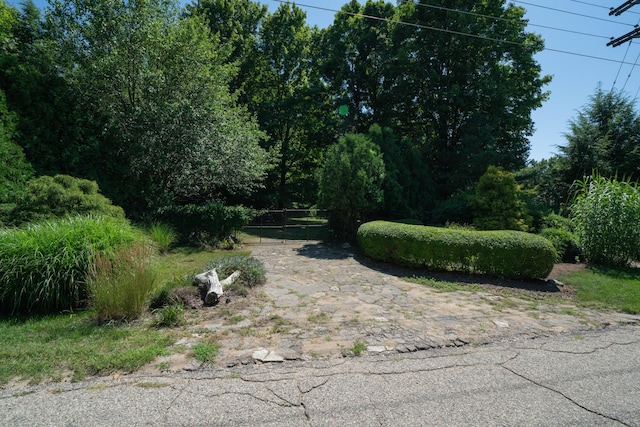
{"x":630,"y":71}
{"x":478,"y":36}
{"x":620,"y":68}
{"x":602,"y":6}
{"x":573,"y":13}
{"x":499,"y":18}
{"x":613,"y":85}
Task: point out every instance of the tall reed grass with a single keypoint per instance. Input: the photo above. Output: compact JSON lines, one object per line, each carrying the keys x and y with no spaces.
{"x":44,"y":266}
{"x":606,"y":215}
{"x":120,"y":282}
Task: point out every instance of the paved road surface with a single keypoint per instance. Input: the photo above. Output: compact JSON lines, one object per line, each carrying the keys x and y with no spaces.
{"x":591,"y":379}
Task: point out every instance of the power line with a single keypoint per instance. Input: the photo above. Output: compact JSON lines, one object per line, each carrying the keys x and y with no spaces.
{"x":572,"y":13}
{"x":603,"y":7}
{"x":590,"y":4}
{"x":500,"y":18}
{"x":394,"y":21}
{"x":630,"y":71}
{"x":621,"y":64}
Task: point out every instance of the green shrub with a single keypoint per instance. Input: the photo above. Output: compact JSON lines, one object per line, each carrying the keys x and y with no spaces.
{"x":497,"y":202}
{"x":44,"y":266}
{"x":208,"y":224}
{"x":554,"y":220}
{"x":565,"y":243}
{"x":121,"y":281}
{"x":350,"y":183}
{"x":606,"y":215}
{"x":163,"y":296}
{"x":49,"y":197}
{"x":511,"y":254}
{"x":252,"y":272}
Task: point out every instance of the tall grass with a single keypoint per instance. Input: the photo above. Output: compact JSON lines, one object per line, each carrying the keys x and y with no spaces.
{"x":163,"y":236}
{"x":121,"y":282}
{"x":44,"y":266}
{"x":606,"y":214}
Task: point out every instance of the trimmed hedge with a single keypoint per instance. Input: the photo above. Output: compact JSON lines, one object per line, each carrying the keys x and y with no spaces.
{"x":565,"y":242}
{"x":509,"y":254}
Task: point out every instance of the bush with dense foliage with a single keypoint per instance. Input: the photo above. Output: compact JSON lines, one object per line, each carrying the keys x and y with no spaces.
{"x":350,"y":183}
{"x":15,"y":170}
{"x":49,"y":197}
{"x":497,"y":204}
{"x":205,"y":224}
{"x":252,"y":272}
{"x":606,"y":216}
{"x":565,"y":243}
{"x":511,"y":254}
{"x":44,"y":266}
{"x":559,"y":231}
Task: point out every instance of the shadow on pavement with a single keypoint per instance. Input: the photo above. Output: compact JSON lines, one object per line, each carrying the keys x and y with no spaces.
{"x":327,"y":251}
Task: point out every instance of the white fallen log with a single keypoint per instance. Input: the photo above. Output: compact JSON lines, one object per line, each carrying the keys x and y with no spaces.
{"x":215,"y":287}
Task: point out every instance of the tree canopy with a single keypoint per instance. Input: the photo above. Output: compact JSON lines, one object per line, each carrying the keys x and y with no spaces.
{"x":223,"y":101}
{"x":603,"y":137}
{"x":159,"y":84}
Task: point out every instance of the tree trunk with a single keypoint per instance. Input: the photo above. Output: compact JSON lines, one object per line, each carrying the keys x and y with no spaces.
{"x":215,"y":287}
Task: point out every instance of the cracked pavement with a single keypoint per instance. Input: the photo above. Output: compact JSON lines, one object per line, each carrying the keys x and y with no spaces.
{"x":586,"y":379}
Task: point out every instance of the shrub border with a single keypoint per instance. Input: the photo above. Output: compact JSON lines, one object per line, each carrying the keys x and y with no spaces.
{"x":503,"y":253}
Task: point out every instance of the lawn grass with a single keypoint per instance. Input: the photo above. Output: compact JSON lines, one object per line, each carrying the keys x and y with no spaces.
{"x":607,"y":287}
{"x":188,"y":261}
{"x":443,"y":286}
{"x":51,"y":348}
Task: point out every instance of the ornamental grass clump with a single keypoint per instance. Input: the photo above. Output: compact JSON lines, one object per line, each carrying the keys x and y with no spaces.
{"x":163,"y":236}
{"x":44,"y":266}
{"x":606,"y":216}
{"x":121,"y":282}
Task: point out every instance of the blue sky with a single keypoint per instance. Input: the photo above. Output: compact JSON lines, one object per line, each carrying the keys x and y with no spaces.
{"x":576,"y":33}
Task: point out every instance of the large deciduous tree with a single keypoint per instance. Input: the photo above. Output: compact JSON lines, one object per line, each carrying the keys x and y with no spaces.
{"x":15,"y":170}
{"x":357,"y":62}
{"x":291,"y":103}
{"x":158,"y":86}
{"x":236,"y":23}
{"x":48,"y":124}
{"x":456,"y":78}
{"x":466,"y":85}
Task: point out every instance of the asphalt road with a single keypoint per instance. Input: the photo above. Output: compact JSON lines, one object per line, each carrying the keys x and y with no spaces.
{"x":591,"y":379}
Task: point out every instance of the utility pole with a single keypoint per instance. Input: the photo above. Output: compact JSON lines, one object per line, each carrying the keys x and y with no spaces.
{"x":617,"y":11}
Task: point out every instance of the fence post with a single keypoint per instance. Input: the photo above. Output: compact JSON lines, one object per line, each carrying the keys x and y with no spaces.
{"x":284,"y":225}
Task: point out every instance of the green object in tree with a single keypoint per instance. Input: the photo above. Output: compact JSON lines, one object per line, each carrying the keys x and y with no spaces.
{"x":343,"y":110}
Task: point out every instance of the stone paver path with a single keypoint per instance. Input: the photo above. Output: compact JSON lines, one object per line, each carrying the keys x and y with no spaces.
{"x":320,"y":300}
